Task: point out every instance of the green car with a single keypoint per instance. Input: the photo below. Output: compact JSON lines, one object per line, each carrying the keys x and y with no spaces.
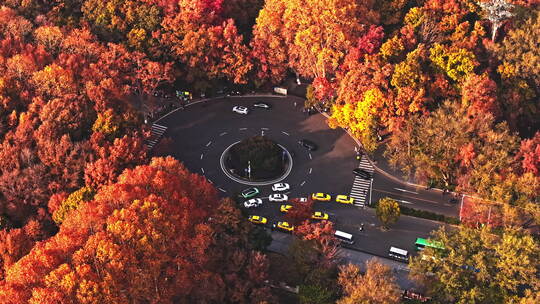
{"x":249,"y":193}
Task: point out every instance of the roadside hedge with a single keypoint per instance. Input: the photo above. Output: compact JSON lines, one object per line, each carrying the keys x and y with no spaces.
{"x":426,"y":215}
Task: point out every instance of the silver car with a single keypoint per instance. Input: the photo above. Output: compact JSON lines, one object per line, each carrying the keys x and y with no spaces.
{"x":254,"y":202}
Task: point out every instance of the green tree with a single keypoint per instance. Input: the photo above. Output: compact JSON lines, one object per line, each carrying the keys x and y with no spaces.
{"x":315,"y":294}
{"x":387,"y":211}
{"x":479,"y":266}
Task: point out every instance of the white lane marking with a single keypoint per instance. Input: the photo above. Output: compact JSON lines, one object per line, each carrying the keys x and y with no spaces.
{"x":405,"y":202}
{"x":310,"y":169}
{"x":301,"y":184}
{"x":222,"y":190}
{"x":224,"y":133}
{"x":202,"y":169}
{"x":211,"y":182}
{"x":285,"y":133}
{"x":310,"y":156}
{"x":242,"y":129}
{"x":266,"y":129}
{"x":202,"y":155}
{"x":403,"y":190}
{"x":209,"y":143}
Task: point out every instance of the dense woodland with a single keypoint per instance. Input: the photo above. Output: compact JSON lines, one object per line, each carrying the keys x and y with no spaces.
{"x":452,"y":86}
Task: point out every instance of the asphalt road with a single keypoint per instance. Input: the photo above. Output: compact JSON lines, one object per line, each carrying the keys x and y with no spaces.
{"x":203,"y":131}
{"x":400,"y":270}
{"x":414,"y":197}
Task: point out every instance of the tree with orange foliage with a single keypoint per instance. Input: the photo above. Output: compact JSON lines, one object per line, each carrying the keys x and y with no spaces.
{"x":208,"y":45}
{"x":114,"y":157}
{"x":376,"y":286}
{"x":268,"y":46}
{"x":144,"y":238}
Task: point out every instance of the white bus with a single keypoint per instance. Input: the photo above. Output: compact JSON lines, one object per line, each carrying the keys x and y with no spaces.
{"x":344,"y":237}
{"x":398,"y":254}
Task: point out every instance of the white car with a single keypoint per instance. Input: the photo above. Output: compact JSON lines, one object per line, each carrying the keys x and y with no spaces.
{"x":240,"y":110}
{"x":279,"y":187}
{"x":278,"y":197}
{"x":254,"y":202}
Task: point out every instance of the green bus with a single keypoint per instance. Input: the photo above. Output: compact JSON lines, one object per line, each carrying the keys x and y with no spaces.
{"x":423,"y":243}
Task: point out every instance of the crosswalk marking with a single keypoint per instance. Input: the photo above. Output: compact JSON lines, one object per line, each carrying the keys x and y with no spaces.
{"x":360,"y":188}
{"x":155,"y":135}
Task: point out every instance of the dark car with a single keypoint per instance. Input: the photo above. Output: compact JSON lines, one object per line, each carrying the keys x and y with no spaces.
{"x":311,"y":146}
{"x":310,"y":111}
{"x":362,"y":173}
{"x":262,"y":105}
{"x":234,"y":92}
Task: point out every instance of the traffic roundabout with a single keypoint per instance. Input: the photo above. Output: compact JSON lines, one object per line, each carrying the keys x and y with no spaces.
{"x":204,"y":133}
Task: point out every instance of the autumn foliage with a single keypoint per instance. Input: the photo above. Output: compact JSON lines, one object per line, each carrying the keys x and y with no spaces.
{"x":449,"y":89}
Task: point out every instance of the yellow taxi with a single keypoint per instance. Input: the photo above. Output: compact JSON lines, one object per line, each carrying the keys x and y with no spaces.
{"x":255,"y":219}
{"x":323,"y":197}
{"x":344,"y":199}
{"x":285,"y":226}
{"x":318,"y":215}
{"x":285,"y":208}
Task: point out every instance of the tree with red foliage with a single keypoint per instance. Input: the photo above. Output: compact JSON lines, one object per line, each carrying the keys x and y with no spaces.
{"x":300,"y":212}
{"x":367,"y":44}
{"x":528,"y":157}
{"x":479,"y":93}
{"x":147,"y":230}
{"x":113,"y":158}
{"x":208,"y":45}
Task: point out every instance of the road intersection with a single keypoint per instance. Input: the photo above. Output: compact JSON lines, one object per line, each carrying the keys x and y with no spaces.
{"x":204,"y":130}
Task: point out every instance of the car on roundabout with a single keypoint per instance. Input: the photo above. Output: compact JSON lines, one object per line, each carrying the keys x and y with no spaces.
{"x":256,"y":219}
{"x":262,"y":105}
{"x":344,"y":199}
{"x":280,"y":187}
{"x":362,"y":173}
{"x":278,"y":197}
{"x":249,"y":193}
{"x":240,"y":110}
{"x":322,"y":197}
{"x":318,"y":215}
{"x":252,"y":203}
{"x":284,"y":226}
{"x":308,"y":144}
{"x":285,"y":208}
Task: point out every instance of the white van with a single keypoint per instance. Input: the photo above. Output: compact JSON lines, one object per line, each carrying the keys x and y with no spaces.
{"x":344,"y":237}
{"x":398,"y":254}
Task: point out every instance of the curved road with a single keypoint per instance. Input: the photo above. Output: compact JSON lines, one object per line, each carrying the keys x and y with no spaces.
{"x":204,"y":130}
